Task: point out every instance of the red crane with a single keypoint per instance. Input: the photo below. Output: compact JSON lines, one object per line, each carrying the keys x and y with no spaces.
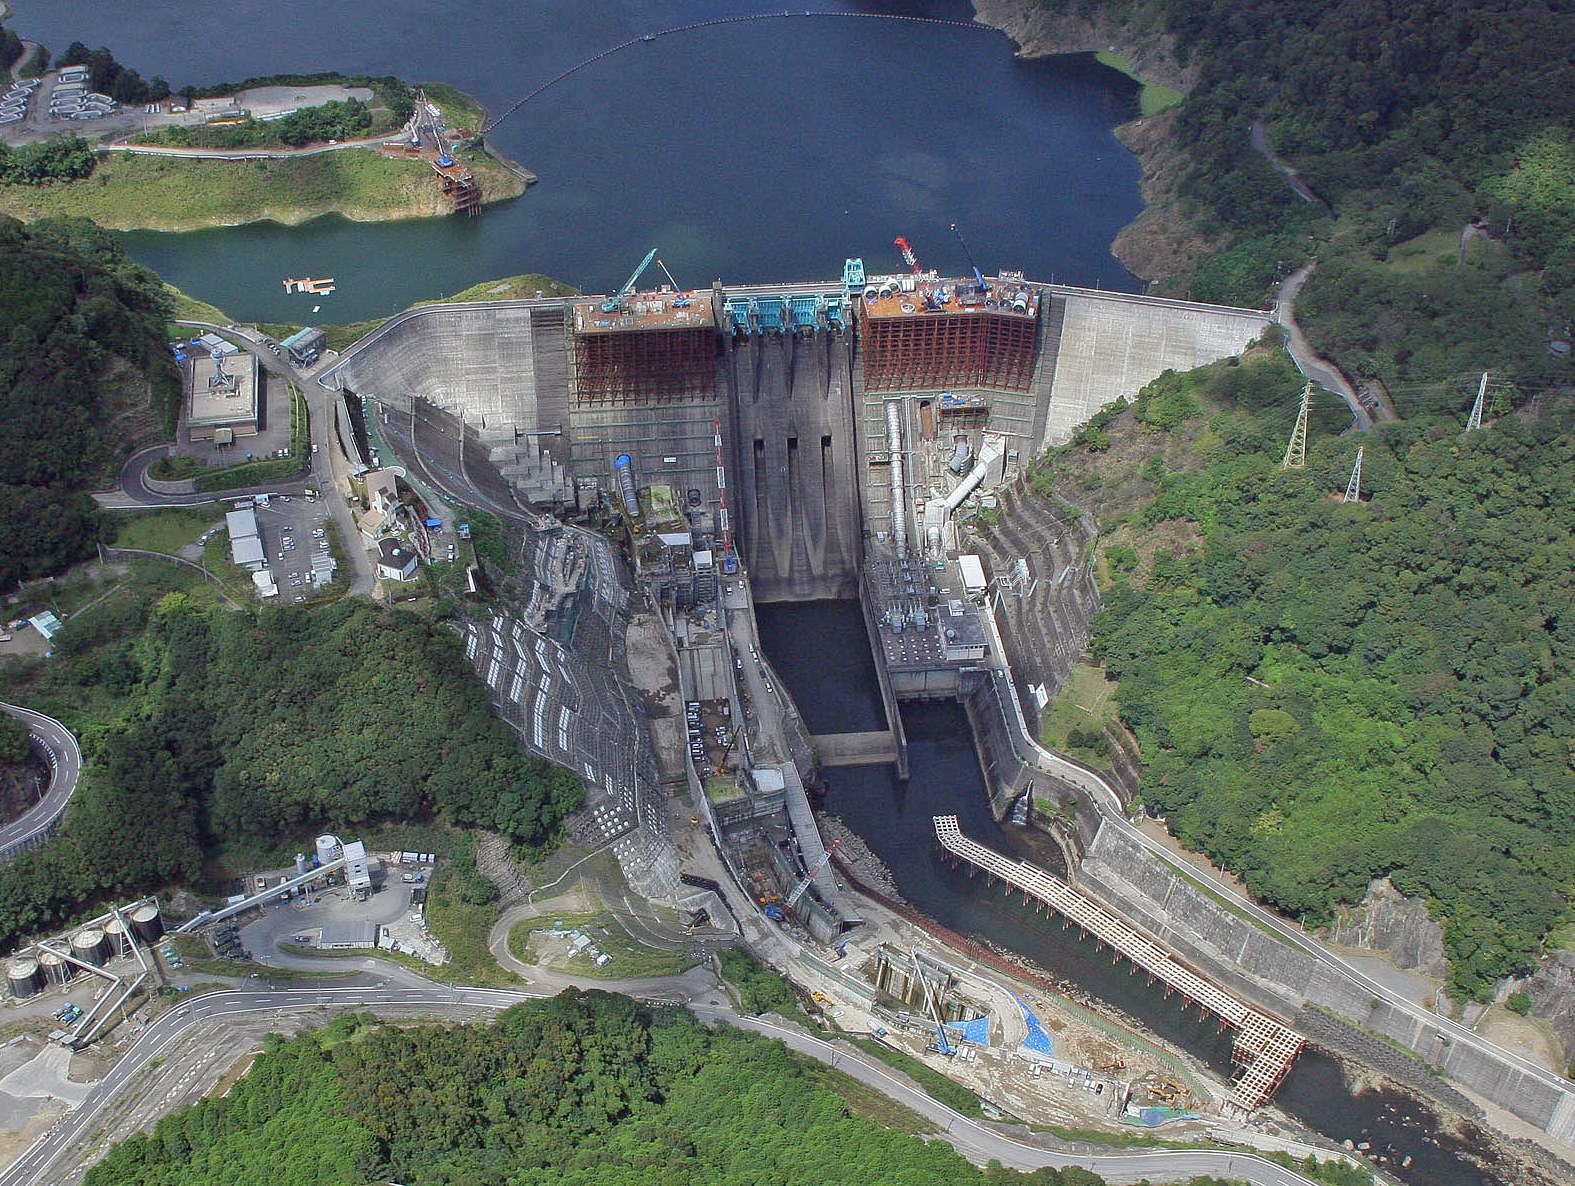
{"x":907,"y":255}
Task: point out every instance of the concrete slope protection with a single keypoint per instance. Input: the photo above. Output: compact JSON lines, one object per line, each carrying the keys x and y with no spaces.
{"x":59,"y":747}
{"x":973,"y":1140}
{"x":1558,"y":1118}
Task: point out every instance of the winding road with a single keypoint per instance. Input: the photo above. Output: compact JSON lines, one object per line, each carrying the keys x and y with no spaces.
{"x":60,"y":748}
{"x":973,"y":1140}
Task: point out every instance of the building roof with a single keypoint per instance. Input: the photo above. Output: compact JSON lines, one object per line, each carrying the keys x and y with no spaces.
{"x":248,"y":550}
{"x":304,"y":337}
{"x":394,"y":556}
{"x":348,"y":934}
{"x":46,"y":624}
{"x":241,"y":523}
{"x":263,"y":579}
{"x":224,"y":394}
{"x":972,"y":572}
{"x":380,"y":482}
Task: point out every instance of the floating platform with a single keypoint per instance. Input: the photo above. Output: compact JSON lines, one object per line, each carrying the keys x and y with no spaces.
{"x":307,"y":285}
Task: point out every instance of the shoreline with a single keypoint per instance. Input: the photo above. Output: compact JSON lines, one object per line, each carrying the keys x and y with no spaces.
{"x":1158,"y":246}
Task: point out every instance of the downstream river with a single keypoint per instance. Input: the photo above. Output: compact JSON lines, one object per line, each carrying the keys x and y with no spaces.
{"x":750,"y":151}
{"x":832,"y":679}
{"x":753,"y":151}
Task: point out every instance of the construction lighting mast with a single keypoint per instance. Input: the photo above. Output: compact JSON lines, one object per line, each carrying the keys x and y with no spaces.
{"x":1296,"y":451}
{"x":1353,"y":488}
{"x":802,"y":886}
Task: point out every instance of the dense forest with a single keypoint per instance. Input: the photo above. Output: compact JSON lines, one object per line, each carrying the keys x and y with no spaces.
{"x":82,"y":361}
{"x":1410,"y":121}
{"x":585,"y":1089}
{"x":207,"y":727}
{"x":1327,"y":692}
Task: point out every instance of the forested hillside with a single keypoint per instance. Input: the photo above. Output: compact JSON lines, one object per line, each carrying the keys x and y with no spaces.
{"x":82,"y":364}
{"x":586,"y":1089}
{"x":1411,"y":120}
{"x":208,"y":727}
{"x":1328,"y":692}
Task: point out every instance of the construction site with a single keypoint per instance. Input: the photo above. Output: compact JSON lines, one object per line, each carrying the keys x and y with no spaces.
{"x":691,"y":453}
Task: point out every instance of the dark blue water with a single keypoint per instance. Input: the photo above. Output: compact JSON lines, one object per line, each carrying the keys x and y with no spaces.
{"x":832,"y":679}
{"x":752,"y":152}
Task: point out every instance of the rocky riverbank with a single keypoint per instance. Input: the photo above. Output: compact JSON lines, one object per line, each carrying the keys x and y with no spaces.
{"x":855,"y":856}
{"x":1159,"y":246}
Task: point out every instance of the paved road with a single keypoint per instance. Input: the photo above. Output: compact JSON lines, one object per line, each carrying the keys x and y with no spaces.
{"x":1308,"y":361}
{"x":971,"y":1139}
{"x":65,"y":760}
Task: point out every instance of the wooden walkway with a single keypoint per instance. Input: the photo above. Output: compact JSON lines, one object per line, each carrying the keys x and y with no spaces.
{"x":1265,"y":1048}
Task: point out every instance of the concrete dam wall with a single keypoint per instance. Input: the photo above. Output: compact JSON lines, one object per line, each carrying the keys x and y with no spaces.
{"x":796,"y":381}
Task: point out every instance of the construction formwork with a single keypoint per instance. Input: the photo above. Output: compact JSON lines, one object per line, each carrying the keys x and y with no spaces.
{"x":936,"y":352}
{"x":618,"y":366}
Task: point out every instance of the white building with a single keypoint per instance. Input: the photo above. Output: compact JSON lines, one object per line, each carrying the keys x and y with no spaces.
{"x":395,"y":562}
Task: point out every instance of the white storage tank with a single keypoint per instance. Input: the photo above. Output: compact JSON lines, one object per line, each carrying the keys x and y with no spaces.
{"x":328,"y":849}
{"x":90,"y":946}
{"x":117,"y":933}
{"x":146,"y":922}
{"x":22,"y":977}
{"x":55,"y":969}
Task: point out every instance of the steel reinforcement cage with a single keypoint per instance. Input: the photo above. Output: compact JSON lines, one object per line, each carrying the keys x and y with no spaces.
{"x":934,"y":352}
{"x":643,"y":366}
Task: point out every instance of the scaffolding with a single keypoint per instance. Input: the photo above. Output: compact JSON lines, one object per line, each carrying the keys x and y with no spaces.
{"x":652,"y":354}
{"x":928,"y":351}
{"x":1264,"y":1047}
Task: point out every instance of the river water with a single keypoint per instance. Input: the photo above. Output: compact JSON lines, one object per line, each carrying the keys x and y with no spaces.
{"x":759,"y":151}
{"x":822,"y":654}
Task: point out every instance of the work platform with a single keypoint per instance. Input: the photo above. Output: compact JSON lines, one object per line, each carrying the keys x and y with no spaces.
{"x":1265,"y":1048}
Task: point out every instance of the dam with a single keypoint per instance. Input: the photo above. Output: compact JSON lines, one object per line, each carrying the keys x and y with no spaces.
{"x":812,"y":426}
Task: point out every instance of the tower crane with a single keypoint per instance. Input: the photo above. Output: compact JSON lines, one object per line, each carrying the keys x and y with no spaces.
{"x":616,"y":302}
{"x":908,"y":257}
{"x":801,"y":887}
{"x":977,"y":274}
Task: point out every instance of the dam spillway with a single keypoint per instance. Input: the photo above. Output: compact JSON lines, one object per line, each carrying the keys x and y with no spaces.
{"x":802,"y":383}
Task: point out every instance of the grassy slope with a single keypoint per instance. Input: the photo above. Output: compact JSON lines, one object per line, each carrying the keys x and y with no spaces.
{"x":161,"y":193}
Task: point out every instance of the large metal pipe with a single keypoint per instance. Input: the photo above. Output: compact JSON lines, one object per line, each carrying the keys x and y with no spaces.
{"x":988,"y":456}
{"x":623,"y":471}
{"x":899,"y":506}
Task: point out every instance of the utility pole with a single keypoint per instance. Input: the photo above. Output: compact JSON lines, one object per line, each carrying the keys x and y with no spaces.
{"x":1296,"y":450}
{"x":1353,"y":488}
{"x":1474,"y":420}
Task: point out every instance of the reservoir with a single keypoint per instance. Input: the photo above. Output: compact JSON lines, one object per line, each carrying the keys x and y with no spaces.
{"x":764,"y":150}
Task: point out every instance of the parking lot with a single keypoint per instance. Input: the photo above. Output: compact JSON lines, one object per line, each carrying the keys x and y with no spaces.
{"x":710,"y":726}
{"x":295,"y":534}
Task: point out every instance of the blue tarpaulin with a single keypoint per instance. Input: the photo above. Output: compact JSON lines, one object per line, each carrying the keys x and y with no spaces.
{"x":976,"y":1031}
{"x":1037,"y":1040}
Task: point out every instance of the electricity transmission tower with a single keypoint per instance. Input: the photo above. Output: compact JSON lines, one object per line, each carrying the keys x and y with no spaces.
{"x":1296,"y":451}
{"x":1475,"y":419}
{"x":1353,"y":488}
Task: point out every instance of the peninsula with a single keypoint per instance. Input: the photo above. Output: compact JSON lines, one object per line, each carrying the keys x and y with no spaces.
{"x":91,"y":138}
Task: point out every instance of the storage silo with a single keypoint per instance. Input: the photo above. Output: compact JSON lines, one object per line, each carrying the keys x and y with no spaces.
{"x":22,"y":976}
{"x":90,"y":946}
{"x":146,"y":922}
{"x":55,"y":969}
{"x":302,"y":866}
{"x":117,"y":933}
{"x":328,"y":849}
